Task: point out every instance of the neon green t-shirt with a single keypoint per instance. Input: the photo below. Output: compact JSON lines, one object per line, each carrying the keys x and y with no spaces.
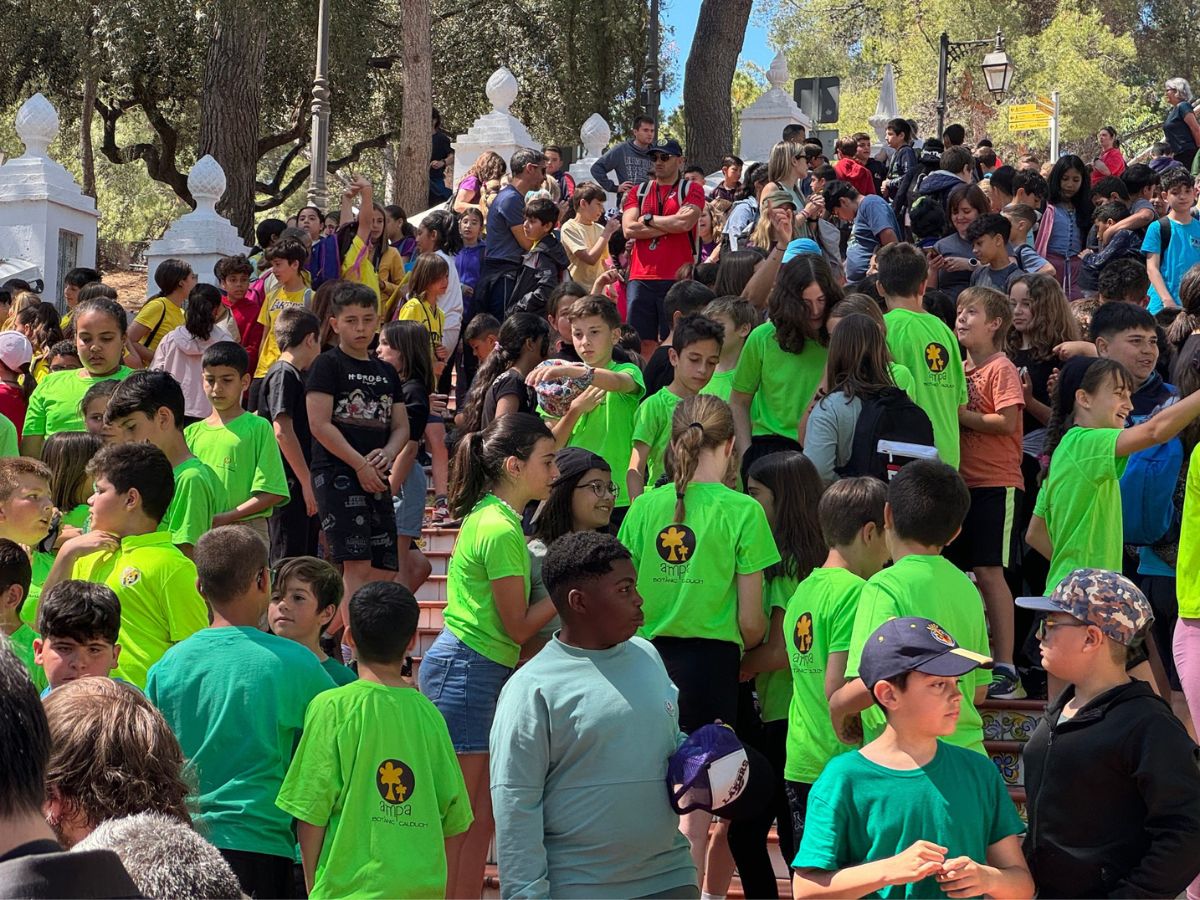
{"x":9,"y":440}
{"x":490,"y":546}
{"x":277,"y":299}
{"x":42,"y":563}
{"x":818,"y":622}
{"x":652,"y":426}
{"x":22,"y":643}
{"x":161,"y":317}
{"x":160,"y":605}
{"x":774,"y":688}
{"x":244,"y":455}
{"x":78,"y":516}
{"x":608,"y":429}
{"x":236,"y":699}
{"x":923,"y":344}
{"x":1187,"y":570}
{"x":54,"y":403}
{"x":930,"y":587}
{"x":782,"y":384}
{"x":1081,"y":503}
{"x":340,"y":674}
{"x":720,"y":384}
{"x":199,"y":495}
{"x":687,"y":571}
{"x":376,"y":768}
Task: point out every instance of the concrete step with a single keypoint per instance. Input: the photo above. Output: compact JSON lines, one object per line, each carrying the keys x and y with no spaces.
{"x":433,"y":590}
{"x":439,"y":559}
{"x":438,"y":540}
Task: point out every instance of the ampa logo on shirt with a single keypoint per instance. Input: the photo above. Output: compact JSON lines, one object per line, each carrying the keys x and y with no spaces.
{"x":130,"y":576}
{"x":937,"y":357}
{"x":802,"y":634}
{"x":676,"y":544}
{"x":395,"y":782}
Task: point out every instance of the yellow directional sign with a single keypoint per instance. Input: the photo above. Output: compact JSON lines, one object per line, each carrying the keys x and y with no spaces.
{"x":1045,"y":104}
{"x":1018,"y":109}
{"x":1027,"y":117}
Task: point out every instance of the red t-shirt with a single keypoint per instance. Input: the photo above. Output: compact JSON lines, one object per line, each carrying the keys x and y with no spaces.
{"x":669,"y":251}
{"x":856,"y":173}
{"x":245,"y":314}
{"x":992,"y":460}
{"x":13,"y":405}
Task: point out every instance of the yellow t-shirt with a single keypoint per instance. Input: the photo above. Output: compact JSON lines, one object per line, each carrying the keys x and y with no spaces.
{"x":276,"y":300}
{"x":575,"y":237}
{"x":160,"y":316}
{"x":357,"y":266}
{"x":417,"y":310}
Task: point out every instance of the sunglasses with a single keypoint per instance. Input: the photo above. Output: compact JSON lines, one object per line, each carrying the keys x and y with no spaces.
{"x":1048,"y":625}
{"x":660,"y":157}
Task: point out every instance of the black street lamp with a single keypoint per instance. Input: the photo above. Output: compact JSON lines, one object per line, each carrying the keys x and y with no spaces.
{"x":997,"y":69}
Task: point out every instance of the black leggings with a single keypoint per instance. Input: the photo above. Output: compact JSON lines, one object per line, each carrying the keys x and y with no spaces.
{"x":748,"y":837}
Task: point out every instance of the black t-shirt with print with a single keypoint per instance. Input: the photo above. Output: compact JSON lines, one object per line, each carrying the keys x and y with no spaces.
{"x":363,"y":392}
{"x":509,"y":383}
{"x":282,"y":393}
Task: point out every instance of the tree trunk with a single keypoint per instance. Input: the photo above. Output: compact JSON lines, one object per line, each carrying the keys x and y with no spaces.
{"x":708,"y":79}
{"x":416,"y":110}
{"x":230,"y":99}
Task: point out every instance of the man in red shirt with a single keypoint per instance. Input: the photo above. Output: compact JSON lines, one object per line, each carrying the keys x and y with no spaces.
{"x":659,"y":219}
{"x":849,"y":169}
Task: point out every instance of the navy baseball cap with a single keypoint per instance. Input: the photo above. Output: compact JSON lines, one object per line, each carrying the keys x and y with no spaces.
{"x":912,"y":644}
{"x":670,"y":147}
{"x":714,"y":771}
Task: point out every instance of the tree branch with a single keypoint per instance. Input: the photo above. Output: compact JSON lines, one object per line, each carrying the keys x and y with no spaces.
{"x":272,"y":187}
{"x":281,"y":196}
{"x":297,"y":131}
{"x":160,"y":162}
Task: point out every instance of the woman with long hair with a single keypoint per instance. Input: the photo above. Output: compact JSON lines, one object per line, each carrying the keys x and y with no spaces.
{"x":163,"y":312}
{"x":389,"y":267}
{"x":499,"y":387}
{"x":67,"y":455}
{"x":41,"y":323}
{"x":1110,"y":160}
{"x":950,"y":263}
{"x":734,"y":272}
{"x":182,"y":350}
{"x":481,"y":183}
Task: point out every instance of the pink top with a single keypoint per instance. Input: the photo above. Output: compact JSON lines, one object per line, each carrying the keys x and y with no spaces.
{"x":179,"y":354}
{"x":13,"y":405}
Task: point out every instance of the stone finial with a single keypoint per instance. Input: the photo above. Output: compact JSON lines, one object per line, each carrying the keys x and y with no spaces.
{"x":778,"y":74}
{"x":502,"y":89}
{"x":37,"y":125}
{"x":206,"y":181}
{"x":595,"y":135}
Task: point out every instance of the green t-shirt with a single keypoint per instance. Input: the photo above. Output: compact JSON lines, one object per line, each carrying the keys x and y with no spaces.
{"x":720,"y":384}
{"x":774,"y":688}
{"x":930,"y":587}
{"x":339,"y":673}
{"x":160,"y":605}
{"x":782,"y":384}
{"x":687,"y":571}
{"x":199,"y":495}
{"x":1188,"y":568}
{"x":41,"y":563}
{"x":376,"y":768}
{"x":652,"y":427}
{"x":1081,"y":503}
{"x":236,"y":697}
{"x":22,"y":644}
{"x":9,"y":441}
{"x":860,"y":811}
{"x":54,"y":403}
{"x":78,"y":517}
{"x":244,"y":454}
{"x":608,"y":429}
{"x":490,"y":546}
{"x":818,"y":622}
{"x":923,"y":344}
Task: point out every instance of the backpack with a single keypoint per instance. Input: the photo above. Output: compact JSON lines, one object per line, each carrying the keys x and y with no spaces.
{"x":1164,"y":237}
{"x":891,"y":430}
{"x":1147,"y":492}
{"x":680,"y":188}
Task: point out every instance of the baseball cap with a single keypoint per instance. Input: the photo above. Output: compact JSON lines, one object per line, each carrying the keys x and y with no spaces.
{"x":913,"y":644}
{"x":779,"y":197}
{"x":15,"y":349}
{"x":670,"y":147}
{"x":1108,"y":600}
{"x":714,"y":771}
{"x":572,"y":462}
{"x":801,"y":247}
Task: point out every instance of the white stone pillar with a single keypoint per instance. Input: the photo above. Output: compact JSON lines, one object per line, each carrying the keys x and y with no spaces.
{"x":201,"y":237}
{"x":46,"y":221}
{"x":498,"y":130}
{"x":594,"y":135}
{"x":763,"y":120}
{"x":886,"y":109}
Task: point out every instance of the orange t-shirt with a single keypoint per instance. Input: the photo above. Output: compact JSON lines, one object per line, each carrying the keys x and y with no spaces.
{"x":992,"y":460}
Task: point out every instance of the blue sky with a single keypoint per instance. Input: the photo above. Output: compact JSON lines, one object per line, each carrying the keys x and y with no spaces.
{"x":681,"y":16}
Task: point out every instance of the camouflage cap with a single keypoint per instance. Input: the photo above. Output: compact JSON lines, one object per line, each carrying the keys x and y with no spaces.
{"x":1108,"y":600}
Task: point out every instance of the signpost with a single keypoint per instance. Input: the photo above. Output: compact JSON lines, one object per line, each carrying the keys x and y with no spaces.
{"x":1043,"y":113}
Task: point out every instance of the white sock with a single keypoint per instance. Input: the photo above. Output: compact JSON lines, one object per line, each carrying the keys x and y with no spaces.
{"x":705,"y":895}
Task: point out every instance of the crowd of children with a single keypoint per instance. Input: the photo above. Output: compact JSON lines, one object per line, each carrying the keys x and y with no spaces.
{"x":722,"y":485}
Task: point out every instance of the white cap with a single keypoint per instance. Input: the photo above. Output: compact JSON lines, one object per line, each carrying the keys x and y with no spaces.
{"x":15,"y":350}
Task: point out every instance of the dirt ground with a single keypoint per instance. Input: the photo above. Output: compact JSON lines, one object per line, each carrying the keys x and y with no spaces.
{"x":130,"y":286}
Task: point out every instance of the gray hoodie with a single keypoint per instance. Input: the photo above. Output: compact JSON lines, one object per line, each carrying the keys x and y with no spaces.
{"x":629,"y":161}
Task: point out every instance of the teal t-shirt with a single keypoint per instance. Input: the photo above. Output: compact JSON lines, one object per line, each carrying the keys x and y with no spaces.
{"x":245,"y":456}
{"x":782,"y":384}
{"x":236,"y":699}
{"x":652,"y":427}
{"x":340,"y":674}
{"x":860,"y":811}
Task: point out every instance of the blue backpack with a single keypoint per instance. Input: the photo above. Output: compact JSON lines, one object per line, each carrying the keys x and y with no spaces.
{"x":1148,"y":490}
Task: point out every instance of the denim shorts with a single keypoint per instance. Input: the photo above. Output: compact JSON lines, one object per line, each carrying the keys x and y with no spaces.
{"x":409,"y":506}
{"x":464,"y":686}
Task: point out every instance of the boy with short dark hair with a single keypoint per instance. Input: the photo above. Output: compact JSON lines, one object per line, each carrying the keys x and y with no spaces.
{"x":584,"y":238}
{"x":1111,"y":776}
{"x":292,"y":529}
{"x":235,"y":697}
{"x":1125,"y":280}
{"x":15,"y":575}
{"x":927,"y":502}
{"x":601,"y":418}
{"x":73,"y":282}
{"x":304,"y":599}
{"x":580,"y":810}
{"x":287,"y":259}
{"x":233,"y":275}
{"x":239,"y":448}
{"x":544,"y":263}
{"x":481,"y":335}
{"x":695,"y":352}
{"x":991,"y":434}
{"x":1179,"y":232}
{"x":923,"y":344}
{"x":737,"y":317}
{"x":908,"y":814}
{"x":1022,"y":219}
{"x":79,"y":624}
{"x":148,"y":406}
{"x":359,"y":424}
{"x":989,"y":240}
{"x":154,"y":582}
{"x":683,"y":298}
{"x":375,"y":768}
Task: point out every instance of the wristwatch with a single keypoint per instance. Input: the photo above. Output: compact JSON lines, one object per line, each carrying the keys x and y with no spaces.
{"x":648,"y":219}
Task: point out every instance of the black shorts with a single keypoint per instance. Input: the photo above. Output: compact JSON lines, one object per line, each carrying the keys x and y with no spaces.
{"x":706,"y":673}
{"x":647,"y":311}
{"x":358,"y":526}
{"x":988,"y":536}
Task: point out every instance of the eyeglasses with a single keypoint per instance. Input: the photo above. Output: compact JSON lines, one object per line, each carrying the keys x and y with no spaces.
{"x":660,"y":157}
{"x":600,"y":488}
{"x":1048,"y":625}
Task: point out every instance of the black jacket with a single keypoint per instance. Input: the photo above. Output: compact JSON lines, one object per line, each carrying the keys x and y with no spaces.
{"x":1113,"y":799}
{"x":42,"y":869}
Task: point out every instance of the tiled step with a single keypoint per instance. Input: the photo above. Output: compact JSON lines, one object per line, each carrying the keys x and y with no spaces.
{"x":1010,"y":720}
{"x":438,"y":540}
{"x":433,"y":590}
{"x":1007,"y":757}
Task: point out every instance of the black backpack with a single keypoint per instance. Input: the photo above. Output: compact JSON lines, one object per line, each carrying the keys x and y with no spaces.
{"x":888,"y":416}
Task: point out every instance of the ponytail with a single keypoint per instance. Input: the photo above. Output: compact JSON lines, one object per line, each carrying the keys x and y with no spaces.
{"x":700,"y":423}
{"x":479,"y":460}
{"x":1062,"y":409}
{"x":510,"y":342}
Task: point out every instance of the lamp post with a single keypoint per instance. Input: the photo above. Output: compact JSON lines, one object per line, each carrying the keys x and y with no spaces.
{"x":318,"y":194}
{"x":997,"y":69}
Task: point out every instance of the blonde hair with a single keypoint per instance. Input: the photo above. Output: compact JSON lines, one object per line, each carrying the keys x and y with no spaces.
{"x":779,"y":163}
{"x":21,"y":300}
{"x":700,"y":423}
{"x":995,"y":305}
{"x":427,"y":271}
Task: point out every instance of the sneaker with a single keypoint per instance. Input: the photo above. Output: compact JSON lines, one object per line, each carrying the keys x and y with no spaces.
{"x":441,"y":511}
{"x":1006,"y":685}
